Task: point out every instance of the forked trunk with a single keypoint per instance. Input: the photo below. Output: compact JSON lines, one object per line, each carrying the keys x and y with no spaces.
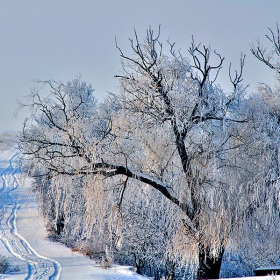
{"x":209,"y":266}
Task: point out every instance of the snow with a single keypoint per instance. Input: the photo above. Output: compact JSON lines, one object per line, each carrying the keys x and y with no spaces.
{"x":269,"y":277}
{"x":23,"y":238}
{"x":269,"y":268}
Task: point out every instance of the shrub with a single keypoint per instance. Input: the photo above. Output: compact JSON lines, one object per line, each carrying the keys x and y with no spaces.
{"x":4,"y":264}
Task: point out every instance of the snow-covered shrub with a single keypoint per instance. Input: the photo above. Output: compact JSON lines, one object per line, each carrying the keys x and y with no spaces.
{"x":4,"y":264}
{"x":234,"y":265}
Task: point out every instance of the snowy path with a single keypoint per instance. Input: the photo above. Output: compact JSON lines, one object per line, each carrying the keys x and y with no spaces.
{"x":38,"y":267}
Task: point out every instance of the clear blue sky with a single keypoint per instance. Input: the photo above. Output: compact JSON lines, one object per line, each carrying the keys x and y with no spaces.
{"x":59,"y":40}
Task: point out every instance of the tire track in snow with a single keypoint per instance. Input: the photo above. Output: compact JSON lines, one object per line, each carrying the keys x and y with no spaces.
{"x":38,"y":266}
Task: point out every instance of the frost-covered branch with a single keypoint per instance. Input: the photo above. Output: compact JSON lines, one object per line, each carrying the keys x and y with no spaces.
{"x":265,"y":56}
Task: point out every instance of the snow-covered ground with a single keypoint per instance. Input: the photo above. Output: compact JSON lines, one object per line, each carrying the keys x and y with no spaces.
{"x":272,"y":277}
{"x":23,"y":238}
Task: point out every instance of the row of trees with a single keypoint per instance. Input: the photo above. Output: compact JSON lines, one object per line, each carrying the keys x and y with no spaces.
{"x":168,"y":173}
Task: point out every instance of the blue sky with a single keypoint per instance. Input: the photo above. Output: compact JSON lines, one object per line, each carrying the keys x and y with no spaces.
{"x":61,"y":39}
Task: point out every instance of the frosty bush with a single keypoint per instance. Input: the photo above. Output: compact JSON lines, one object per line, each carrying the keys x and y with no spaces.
{"x":4,"y":264}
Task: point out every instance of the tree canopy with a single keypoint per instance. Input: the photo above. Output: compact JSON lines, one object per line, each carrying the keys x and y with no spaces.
{"x":171,"y":171}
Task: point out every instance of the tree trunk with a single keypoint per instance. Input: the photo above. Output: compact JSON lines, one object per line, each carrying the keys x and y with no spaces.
{"x":209,"y":266}
{"x":170,"y":270}
{"x":139,"y":264}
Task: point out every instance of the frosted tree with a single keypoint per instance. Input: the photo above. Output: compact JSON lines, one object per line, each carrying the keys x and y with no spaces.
{"x":264,"y":132}
{"x":61,"y":128}
{"x":172,"y":130}
{"x":178,"y":101}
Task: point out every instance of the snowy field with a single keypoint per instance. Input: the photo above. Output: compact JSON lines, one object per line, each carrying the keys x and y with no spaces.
{"x":24,"y":242}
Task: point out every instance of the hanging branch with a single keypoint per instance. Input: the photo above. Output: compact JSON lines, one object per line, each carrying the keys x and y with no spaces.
{"x":266,"y":57}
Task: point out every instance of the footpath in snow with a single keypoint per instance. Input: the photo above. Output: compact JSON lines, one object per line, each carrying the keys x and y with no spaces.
{"x":23,"y":239}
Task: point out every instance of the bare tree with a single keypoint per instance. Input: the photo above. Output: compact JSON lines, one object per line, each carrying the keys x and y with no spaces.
{"x":170,"y":128}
